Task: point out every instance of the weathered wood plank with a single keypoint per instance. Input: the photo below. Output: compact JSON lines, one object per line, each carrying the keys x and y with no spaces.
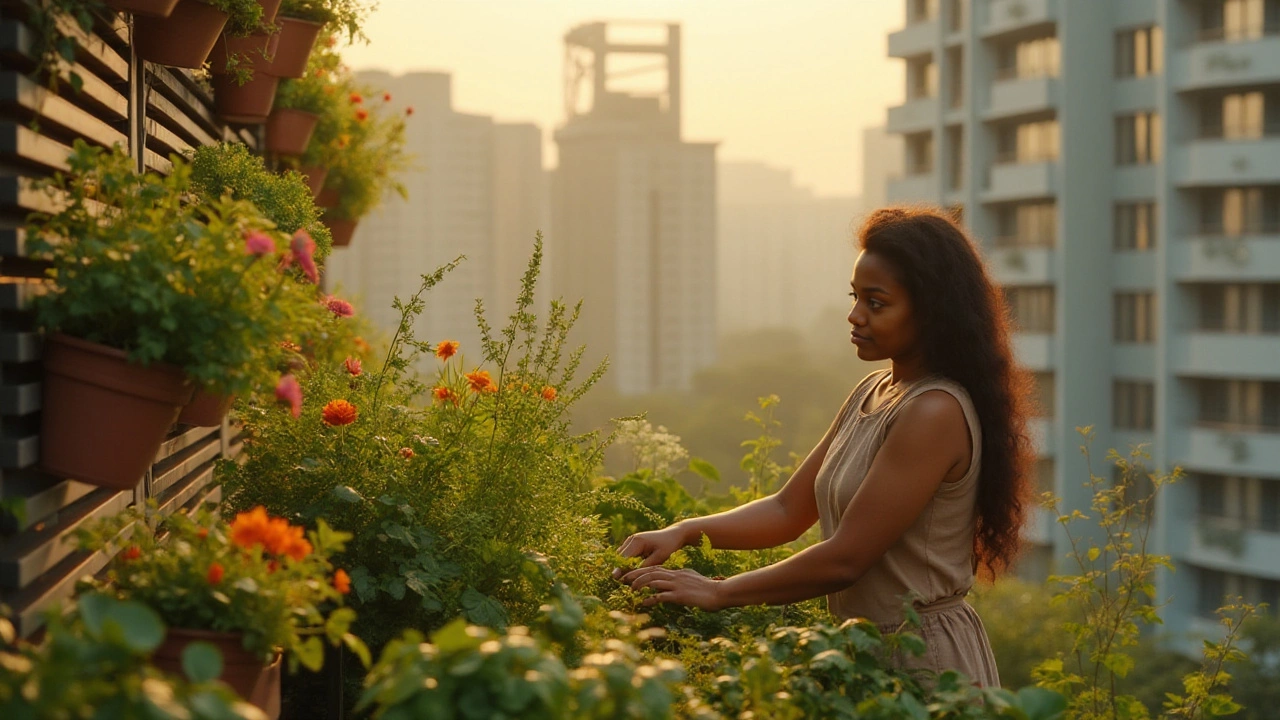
{"x":183,"y":464}
{"x":99,"y":93}
{"x":19,"y":452}
{"x":183,"y":491}
{"x":57,"y":115}
{"x":20,"y":399}
{"x":43,"y":496}
{"x":20,"y":347}
{"x":182,"y":437}
{"x":33,"y":553}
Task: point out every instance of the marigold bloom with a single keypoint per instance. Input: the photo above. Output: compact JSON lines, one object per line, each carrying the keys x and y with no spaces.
{"x":343,"y":140}
{"x":202,"y":533}
{"x":133,"y":552}
{"x":480,"y":381}
{"x":288,"y":390}
{"x":297,"y":547}
{"x":303,"y":249}
{"x":338,"y":412}
{"x":352,"y":366}
{"x":356,"y":98}
{"x":272,"y":566}
{"x":447,"y":349}
{"x":290,"y":346}
{"x":215,"y":574}
{"x":339,"y":307}
{"x":408,"y":110}
{"x":362,"y":115}
{"x":444,"y":394}
{"x":386,"y":97}
{"x":406,"y":453}
{"x":250,"y":528}
{"x":548,"y":393}
{"x":341,"y":581}
{"x":259,"y":243}
{"x":362,"y":347}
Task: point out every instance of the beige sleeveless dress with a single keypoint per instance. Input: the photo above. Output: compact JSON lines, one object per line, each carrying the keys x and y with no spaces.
{"x":934,"y":557}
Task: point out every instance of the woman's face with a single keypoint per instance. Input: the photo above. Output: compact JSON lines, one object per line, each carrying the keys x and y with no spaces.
{"x":884,"y":326}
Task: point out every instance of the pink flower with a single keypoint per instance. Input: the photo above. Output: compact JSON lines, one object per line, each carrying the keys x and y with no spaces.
{"x":339,"y":307}
{"x":303,"y":249}
{"x":352,"y":365}
{"x":288,"y":390}
{"x":257,"y":242}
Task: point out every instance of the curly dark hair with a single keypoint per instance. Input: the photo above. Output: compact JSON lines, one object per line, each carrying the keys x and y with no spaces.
{"x":957,"y":306}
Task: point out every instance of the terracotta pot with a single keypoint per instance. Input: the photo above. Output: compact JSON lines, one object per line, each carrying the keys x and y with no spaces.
{"x":104,"y":417}
{"x":341,"y":229}
{"x":269,"y":10}
{"x":255,"y":52}
{"x":184,"y":39}
{"x":246,"y":673}
{"x":247,"y":104}
{"x":315,"y":176}
{"x":289,"y":131}
{"x":327,"y":198}
{"x":153,"y":8}
{"x":297,"y":37}
{"x":205,"y":409}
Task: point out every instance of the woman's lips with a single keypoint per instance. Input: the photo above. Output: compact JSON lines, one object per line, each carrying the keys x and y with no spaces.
{"x":858,"y":339}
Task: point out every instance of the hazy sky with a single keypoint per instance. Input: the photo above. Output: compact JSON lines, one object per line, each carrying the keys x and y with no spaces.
{"x":787,"y":82}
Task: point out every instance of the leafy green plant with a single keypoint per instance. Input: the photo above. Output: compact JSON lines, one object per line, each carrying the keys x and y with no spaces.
{"x":245,"y":15}
{"x":338,"y":15}
{"x":370,"y":151}
{"x":257,"y":575}
{"x":93,"y":663}
{"x":53,"y":47}
{"x":284,"y":199}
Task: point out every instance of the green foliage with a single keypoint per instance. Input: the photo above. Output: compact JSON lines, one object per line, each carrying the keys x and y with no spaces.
{"x":1024,"y":626}
{"x":246,"y":15}
{"x":254,"y":577}
{"x":316,"y":91}
{"x":338,"y":15}
{"x":367,"y":152}
{"x":53,"y":46}
{"x":283,"y":199}
{"x":93,"y":664}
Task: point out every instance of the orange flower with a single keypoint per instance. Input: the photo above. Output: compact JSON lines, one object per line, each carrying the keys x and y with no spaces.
{"x":331,"y":41}
{"x":133,"y":552}
{"x":298,"y":547}
{"x":250,"y":528}
{"x":272,"y":566}
{"x":386,"y":97}
{"x":356,"y":99}
{"x":362,"y":115}
{"x":406,"y":453}
{"x":215,"y":574}
{"x":446,"y":349}
{"x":361,"y":346}
{"x":444,"y":394}
{"x":479,"y":381}
{"x":338,"y":412}
{"x":202,"y":533}
{"x":341,"y":581}
{"x":548,"y":393}
{"x":408,"y":110}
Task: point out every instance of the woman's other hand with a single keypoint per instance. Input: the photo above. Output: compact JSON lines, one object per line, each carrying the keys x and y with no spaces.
{"x":681,"y":587}
{"x":655,"y":546}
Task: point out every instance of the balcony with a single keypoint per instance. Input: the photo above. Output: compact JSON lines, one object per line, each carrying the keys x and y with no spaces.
{"x":1206,"y":353}
{"x":1222,"y":63}
{"x":1231,"y":545}
{"x":1033,"y":351}
{"x":1022,"y":265}
{"x":915,"y":39}
{"x":1018,"y":181}
{"x":913,"y":116}
{"x":1006,"y":16}
{"x":1228,"y":162}
{"x":921,"y":187}
{"x":1216,"y":258}
{"x":1021,"y":96}
{"x":1226,"y":450}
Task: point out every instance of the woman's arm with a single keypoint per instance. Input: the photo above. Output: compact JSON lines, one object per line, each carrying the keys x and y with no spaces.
{"x":928,"y":439}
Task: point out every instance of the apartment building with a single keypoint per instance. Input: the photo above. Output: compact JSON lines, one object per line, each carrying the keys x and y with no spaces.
{"x":1120,"y":163}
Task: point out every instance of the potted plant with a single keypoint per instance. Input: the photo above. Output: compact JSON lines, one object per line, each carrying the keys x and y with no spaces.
{"x":153,"y":8}
{"x":299,"y":105}
{"x":257,"y":588}
{"x":301,"y":22}
{"x":187,"y":35}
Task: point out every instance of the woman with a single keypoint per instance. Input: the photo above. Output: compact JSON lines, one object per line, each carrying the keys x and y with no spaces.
{"x":920,"y":478}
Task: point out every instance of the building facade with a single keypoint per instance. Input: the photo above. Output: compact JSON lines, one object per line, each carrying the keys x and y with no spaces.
{"x":476,"y":188}
{"x":1120,"y":163}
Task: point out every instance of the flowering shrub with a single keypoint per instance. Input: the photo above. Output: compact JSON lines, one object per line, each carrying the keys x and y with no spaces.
{"x":258,"y":575}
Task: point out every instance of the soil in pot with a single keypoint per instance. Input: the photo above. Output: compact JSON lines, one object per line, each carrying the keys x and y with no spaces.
{"x":289,"y":131}
{"x":104,"y":418}
{"x":297,"y":38}
{"x":205,"y":409}
{"x":248,"y":104}
{"x":184,"y":39}
{"x":341,"y":229}
{"x":247,"y":674}
{"x":153,"y":8}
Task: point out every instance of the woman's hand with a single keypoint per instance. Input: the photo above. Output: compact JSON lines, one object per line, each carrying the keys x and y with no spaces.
{"x":682,"y":587}
{"x":655,"y":546}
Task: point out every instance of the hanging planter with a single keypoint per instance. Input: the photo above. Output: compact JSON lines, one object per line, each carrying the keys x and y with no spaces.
{"x":247,"y":104}
{"x":206,"y":409}
{"x":297,"y":38}
{"x":289,"y":130}
{"x":254,"y":680}
{"x":314,"y":175}
{"x":183,"y":39}
{"x":341,"y":229}
{"x":103,"y":417}
{"x":269,"y":10}
{"x":152,"y":8}
{"x":231,"y":55}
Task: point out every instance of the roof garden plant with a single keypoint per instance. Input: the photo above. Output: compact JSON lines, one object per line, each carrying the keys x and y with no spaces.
{"x":347,"y":16}
{"x":365,"y":147}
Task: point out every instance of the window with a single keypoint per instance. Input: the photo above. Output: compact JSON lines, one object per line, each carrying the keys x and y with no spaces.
{"x":1240,"y":211}
{"x":922,"y":78}
{"x":1135,"y":318}
{"x":1133,"y":405}
{"x":1242,"y":404}
{"x":955,"y":78}
{"x":1028,"y":142}
{"x":1139,"y":52}
{"x":1234,"y":20}
{"x":957,"y":11}
{"x":921,"y":10}
{"x":1031,"y":308}
{"x":1248,"y":308}
{"x":1135,"y":225}
{"x":919,"y":153}
{"x":1032,"y":224}
{"x":1244,"y":502}
{"x":1138,"y":139}
{"x":1045,"y":390}
{"x":1028,"y":59}
{"x":1210,"y":592}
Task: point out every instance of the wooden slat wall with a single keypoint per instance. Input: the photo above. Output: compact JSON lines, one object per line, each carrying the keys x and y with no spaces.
{"x":120,"y":100}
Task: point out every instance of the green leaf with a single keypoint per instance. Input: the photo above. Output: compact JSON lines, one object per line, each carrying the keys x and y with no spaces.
{"x":201,"y":662}
{"x":139,"y":626}
{"x":1094,"y":553}
{"x":1040,"y":703}
{"x":483,"y":610}
{"x":93,"y":609}
{"x":454,"y":637}
{"x":310,"y":653}
{"x":704,"y":469}
{"x":347,"y":493}
{"x":357,"y":646}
